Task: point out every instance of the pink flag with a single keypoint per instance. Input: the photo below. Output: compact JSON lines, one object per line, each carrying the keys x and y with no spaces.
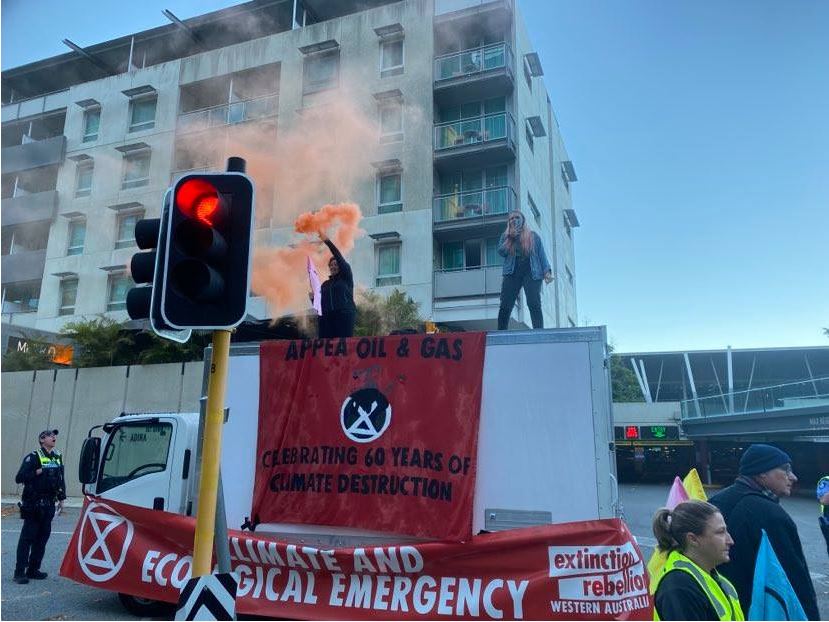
{"x":677,"y":495}
{"x":316,"y":302}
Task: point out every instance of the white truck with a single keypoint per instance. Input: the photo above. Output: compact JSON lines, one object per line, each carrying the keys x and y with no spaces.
{"x":545,"y":408}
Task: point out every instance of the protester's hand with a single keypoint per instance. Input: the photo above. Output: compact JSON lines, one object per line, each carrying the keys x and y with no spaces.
{"x":39,"y":472}
{"x":824,"y":500}
{"x":60,"y":507}
{"x":322,"y":235}
{"x":548,"y":277}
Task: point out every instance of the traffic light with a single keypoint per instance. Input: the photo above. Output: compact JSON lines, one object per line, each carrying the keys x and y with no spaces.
{"x":145,"y":301}
{"x":206,"y":275}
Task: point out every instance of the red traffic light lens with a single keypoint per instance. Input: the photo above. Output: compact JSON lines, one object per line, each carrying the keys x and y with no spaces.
{"x":199,"y":199}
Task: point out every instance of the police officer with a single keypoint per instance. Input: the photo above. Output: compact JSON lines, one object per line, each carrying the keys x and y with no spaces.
{"x":823,"y":499}
{"x":42,"y":477}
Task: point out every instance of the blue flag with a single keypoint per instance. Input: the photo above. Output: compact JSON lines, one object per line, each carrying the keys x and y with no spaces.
{"x":772,"y":596}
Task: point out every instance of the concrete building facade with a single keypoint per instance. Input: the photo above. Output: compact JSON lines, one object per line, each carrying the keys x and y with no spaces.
{"x":464,"y":132}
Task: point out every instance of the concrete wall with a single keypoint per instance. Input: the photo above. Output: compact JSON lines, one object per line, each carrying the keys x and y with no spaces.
{"x":642,"y":413}
{"x":74,"y":400}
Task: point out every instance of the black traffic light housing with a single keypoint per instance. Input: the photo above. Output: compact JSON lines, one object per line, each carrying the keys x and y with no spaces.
{"x":208,"y":249}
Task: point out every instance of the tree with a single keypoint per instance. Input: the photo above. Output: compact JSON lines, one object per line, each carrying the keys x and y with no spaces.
{"x":99,"y":342}
{"x":380,"y":316}
{"x":624,"y":385}
{"x":159,"y":350}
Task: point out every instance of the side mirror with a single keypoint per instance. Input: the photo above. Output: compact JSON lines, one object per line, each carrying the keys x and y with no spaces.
{"x":90,"y":459}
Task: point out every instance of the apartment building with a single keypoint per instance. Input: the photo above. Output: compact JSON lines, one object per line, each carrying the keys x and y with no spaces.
{"x":465,"y":132}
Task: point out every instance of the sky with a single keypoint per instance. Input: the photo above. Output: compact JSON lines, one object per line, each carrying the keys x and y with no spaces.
{"x":699,"y":133}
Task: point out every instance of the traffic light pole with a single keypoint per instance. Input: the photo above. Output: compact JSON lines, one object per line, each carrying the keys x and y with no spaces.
{"x":211,"y":453}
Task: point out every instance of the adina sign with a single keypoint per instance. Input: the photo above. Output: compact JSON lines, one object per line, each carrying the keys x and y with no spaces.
{"x":378,"y":433}
{"x":589,"y":570}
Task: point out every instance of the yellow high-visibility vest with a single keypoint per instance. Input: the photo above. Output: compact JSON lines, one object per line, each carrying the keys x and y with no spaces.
{"x":721,"y":594}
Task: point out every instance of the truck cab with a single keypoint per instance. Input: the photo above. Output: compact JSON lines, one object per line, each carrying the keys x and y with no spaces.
{"x":146,"y":460}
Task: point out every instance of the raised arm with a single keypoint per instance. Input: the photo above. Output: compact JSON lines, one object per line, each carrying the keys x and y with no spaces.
{"x":345,"y":269}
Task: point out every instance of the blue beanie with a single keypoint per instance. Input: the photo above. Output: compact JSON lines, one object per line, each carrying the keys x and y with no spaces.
{"x":761,"y":458}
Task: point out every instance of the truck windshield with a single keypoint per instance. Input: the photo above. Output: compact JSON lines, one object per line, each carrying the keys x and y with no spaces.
{"x":134,"y":450}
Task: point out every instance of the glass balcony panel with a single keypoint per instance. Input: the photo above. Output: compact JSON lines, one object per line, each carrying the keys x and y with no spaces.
{"x":478,"y":203}
{"x":472,"y":61}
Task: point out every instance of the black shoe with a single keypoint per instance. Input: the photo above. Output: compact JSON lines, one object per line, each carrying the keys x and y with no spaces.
{"x":19,"y":577}
{"x":37,"y":574}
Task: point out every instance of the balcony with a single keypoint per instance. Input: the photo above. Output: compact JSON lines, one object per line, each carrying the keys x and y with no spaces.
{"x":454,"y":9}
{"x":468,"y":282}
{"x":27,"y":208}
{"x":228,"y":114}
{"x":34,"y":154}
{"x":477,"y":73}
{"x":479,"y":141}
{"x":487,"y":208}
{"x":23,"y":266}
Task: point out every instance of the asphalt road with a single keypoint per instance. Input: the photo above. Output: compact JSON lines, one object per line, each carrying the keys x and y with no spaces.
{"x":56,"y":598}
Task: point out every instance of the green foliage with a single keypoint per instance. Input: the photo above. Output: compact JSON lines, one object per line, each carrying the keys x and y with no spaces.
{"x":623,"y":382}
{"x":100,"y":342}
{"x":35,"y":356}
{"x":165,"y":351}
{"x":380,"y":316}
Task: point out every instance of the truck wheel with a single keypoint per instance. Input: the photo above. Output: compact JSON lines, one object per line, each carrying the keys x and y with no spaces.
{"x":143,"y":606}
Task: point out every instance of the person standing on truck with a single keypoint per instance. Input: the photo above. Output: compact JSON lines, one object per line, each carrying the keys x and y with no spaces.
{"x":689,"y":587}
{"x":43,"y":483}
{"x":525,"y":265}
{"x":752,"y":504}
{"x":339,"y":312}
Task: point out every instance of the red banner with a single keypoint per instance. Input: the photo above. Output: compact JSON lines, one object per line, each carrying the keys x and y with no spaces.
{"x":591,"y":570}
{"x":378,"y":433}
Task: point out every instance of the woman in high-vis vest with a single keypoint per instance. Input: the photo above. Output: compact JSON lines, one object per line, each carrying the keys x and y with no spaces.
{"x":689,"y":588}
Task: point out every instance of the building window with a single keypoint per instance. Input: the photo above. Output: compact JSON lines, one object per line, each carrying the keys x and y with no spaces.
{"x":534,"y":209}
{"x":470,"y":254}
{"x":564,"y":178}
{"x":528,"y":132}
{"x":391,"y":58}
{"x":388,"y":265}
{"x":21,"y":297}
{"x":83,"y":178}
{"x":528,"y":76}
{"x":77,"y":235}
{"x":389,"y":191}
{"x":569,"y":275}
{"x":321,"y":72}
{"x":126,"y":229}
{"x":136,"y":169}
{"x":391,"y":121}
{"x":119,"y":285}
{"x":568,"y":228}
{"x":571,"y":322}
{"x":492,"y":256}
{"x":91,"y":123}
{"x":142,"y":113}
{"x":68,"y":293}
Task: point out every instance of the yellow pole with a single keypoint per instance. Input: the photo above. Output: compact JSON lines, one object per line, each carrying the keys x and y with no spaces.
{"x":211,"y":453}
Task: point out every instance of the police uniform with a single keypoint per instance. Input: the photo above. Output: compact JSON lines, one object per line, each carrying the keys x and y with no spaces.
{"x":684,"y":591}
{"x":37,"y":507}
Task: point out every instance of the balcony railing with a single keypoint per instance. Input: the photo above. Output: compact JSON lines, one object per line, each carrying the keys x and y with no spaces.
{"x":228,"y":114}
{"x":474,"y":131}
{"x":464,"y":282}
{"x":475,"y":204}
{"x":807,"y":393}
{"x":443,"y":7}
{"x":473,"y":61}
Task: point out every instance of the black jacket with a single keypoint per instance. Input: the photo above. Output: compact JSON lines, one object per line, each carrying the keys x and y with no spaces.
{"x":747,"y":510}
{"x":337,"y":293}
{"x":47,"y":486}
{"x":679,"y":597}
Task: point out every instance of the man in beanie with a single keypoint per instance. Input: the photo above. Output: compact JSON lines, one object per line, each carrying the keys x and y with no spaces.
{"x":43,"y":483}
{"x":751,"y":504}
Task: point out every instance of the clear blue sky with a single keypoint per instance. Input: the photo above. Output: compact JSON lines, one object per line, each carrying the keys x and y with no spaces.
{"x":700,"y":134}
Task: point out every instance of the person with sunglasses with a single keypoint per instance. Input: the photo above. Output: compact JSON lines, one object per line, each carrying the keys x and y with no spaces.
{"x":752,"y":504}
{"x":525,"y":265}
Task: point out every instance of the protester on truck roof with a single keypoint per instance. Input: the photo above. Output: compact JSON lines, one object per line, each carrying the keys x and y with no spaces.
{"x":752,"y":504}
{"x":339,"y":312}
{"x":525,"y":265}
{"x":696,"y":540}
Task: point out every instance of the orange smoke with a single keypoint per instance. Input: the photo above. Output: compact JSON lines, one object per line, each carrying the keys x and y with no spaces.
{"x":281,"y":275}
